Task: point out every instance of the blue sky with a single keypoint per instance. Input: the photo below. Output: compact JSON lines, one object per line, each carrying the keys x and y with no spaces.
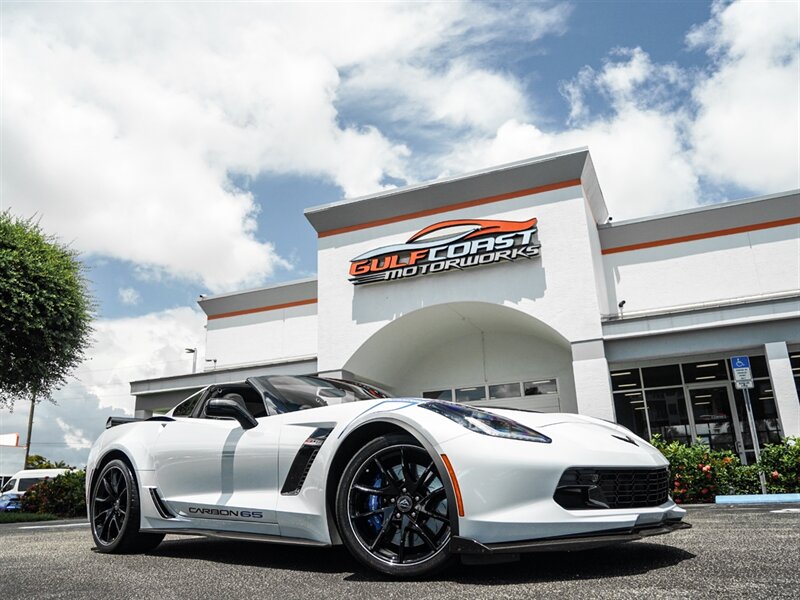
{"x":177,"y":145}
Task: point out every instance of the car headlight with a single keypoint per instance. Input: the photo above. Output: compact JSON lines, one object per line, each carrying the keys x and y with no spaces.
{"x":481,"y":421}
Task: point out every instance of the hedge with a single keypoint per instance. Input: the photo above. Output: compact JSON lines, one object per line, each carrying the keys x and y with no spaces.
{"x":63,"y":495}
{"x":699,"y":474}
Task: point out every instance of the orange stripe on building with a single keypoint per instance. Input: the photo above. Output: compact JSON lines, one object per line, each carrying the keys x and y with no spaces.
{"x":250,"y":311}
{"x":449,"y":207}
{"x":702,"y":236}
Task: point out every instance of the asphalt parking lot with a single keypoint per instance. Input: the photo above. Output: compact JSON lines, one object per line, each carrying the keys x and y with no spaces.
{"x":749,"y":553}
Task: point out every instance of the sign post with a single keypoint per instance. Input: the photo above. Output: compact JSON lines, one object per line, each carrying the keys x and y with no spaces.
{"x":743,"y":378}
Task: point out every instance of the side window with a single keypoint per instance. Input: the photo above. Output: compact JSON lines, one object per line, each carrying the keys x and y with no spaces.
{"x":186,"y":408}
{"x":27,"y":483}
{"x":9,"y":485}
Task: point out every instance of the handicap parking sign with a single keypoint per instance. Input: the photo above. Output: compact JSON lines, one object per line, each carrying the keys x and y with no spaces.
{"x":741,"y":368}
{"x":740,"y":362}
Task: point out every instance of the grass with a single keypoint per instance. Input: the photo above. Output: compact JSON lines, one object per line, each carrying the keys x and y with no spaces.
{"x":23,"y":517}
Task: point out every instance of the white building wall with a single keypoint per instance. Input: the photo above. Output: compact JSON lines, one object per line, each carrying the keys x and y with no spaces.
{"x":270,"y":336}
{"x":723,"y":268}
{"x":558,"y":288}
{"x":492,"y":358}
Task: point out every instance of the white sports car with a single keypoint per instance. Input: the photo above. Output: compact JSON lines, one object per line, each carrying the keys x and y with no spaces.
{"x":406,"y":484}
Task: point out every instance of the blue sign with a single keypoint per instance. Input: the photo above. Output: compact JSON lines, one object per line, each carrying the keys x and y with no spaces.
{"x":740,"y":362}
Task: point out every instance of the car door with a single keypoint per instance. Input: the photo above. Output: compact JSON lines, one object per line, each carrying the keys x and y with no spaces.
{"x":211,"y":469}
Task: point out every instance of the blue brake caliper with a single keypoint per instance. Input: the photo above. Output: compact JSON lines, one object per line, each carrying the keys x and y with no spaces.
{"x":374,"y":503}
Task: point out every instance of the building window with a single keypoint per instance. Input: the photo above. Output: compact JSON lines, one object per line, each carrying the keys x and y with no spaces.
{"x":696,"y":401}
{"x":497,"y":391}
{"x":539,"y":387}
{"x":705,"y":371}
{"x":625,"y":379}
{"x":439,"y":395}
{"x":504,"y":390}
{"x":654,"y":377}
{"x":471,"y":394}
{"x":631,"y":412}
{"x":666,"y":411}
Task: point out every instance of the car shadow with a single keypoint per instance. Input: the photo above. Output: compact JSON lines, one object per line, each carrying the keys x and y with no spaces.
{"x":613,"y":561}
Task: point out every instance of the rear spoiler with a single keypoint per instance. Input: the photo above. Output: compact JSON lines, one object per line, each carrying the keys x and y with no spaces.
{"x":114,"y":421}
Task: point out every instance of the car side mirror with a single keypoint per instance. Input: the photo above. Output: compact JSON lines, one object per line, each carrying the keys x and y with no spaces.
{"x":222,"y":407}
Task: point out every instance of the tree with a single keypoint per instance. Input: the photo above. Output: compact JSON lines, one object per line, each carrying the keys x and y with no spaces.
{"x":37,"y":461}
{"x":45,"y":312}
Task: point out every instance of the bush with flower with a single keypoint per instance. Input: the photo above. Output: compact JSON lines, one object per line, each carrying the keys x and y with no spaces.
{"x":698,"y":473}
{"x":780,"y":464}
{"x":63,"y":495}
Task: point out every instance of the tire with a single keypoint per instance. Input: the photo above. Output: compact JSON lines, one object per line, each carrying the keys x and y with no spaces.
{"x":114,"y":512}
{"x":391,"y":508}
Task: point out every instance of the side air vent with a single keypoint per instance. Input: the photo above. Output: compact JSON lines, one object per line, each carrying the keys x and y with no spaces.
{"x":162,"y":508}
{"x":303,"y":460}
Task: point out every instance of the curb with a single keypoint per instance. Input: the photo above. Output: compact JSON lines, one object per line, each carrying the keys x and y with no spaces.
{"x":760,"y":499}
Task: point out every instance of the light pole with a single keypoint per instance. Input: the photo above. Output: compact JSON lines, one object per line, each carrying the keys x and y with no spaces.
{"x":193,"y":352}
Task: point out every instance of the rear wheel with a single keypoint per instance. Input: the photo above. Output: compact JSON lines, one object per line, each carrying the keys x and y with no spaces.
{"x":114,"y":512}
{"x":391,"y":508}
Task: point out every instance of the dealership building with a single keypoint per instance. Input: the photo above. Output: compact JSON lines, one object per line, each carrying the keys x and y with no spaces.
{"x":512,"y":287}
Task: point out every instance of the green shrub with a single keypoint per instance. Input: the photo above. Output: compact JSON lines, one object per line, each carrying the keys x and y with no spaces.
{"x":24,"y":517}
{"x":699,"y":474}
{"x":62,"y":496}
{"x":780,"y":464}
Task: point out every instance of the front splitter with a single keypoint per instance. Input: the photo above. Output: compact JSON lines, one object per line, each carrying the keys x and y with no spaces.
{"x":467,"y":546}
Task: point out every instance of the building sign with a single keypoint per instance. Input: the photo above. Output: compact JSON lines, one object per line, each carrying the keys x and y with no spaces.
{"x":458,"y":244}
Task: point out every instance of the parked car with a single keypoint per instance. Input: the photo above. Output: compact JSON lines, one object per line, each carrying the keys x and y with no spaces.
{"x":23,"y":480}
{"x":10,"y":502}
{"x":406,"y":484}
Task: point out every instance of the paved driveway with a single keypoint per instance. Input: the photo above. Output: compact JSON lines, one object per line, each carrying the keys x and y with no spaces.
{"x":731,"y":553}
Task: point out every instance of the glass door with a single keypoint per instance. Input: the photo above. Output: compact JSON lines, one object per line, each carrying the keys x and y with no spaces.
{"x":716,"y":422}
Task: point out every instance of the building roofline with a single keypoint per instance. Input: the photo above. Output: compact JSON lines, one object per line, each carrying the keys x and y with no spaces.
{"x":282,"y":284}
{"x":705,"y":222}
{"x":522,"y":178}
{"x":700,"y":209}
{"x":278,"y":296}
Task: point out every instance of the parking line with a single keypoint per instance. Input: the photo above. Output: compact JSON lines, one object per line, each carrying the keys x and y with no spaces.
{"x":52,"y":526}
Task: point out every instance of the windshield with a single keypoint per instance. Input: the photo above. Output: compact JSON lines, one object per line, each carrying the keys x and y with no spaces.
{"x":301,"y":392}
{"x":9,"y":485}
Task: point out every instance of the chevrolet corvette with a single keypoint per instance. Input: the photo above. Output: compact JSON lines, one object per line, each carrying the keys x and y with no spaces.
{"x":408,"y":485}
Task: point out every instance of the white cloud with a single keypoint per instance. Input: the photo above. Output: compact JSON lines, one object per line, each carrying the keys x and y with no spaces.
{"x":638,"y":147}
{"x":129,"y":296}
{"x":123,"y":124}
{"x":738,"y":128}
{"x":123,"y":350}
{"x":141,"y":347}
{"x":747,"y":130}
{"x":73,"y":437}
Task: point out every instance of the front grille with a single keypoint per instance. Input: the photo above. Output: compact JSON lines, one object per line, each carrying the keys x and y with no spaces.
{"x":586,"y":487}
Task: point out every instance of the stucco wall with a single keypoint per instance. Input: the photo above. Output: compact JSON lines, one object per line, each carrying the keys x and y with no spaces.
{"x":281,"y":334}
{"x":558,"y":288}
{"x":719,"y":268}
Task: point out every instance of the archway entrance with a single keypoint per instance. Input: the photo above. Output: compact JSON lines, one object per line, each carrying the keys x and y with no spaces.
{"x":473,"y":352}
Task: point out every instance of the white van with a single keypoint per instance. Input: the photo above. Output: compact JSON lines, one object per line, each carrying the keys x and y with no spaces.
{"x":22,"y":480}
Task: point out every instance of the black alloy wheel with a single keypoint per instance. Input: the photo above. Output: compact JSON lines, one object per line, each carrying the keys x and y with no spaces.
{"x":114,"y":512}
{"x":392,"y":508}
{"x":110,"y":505}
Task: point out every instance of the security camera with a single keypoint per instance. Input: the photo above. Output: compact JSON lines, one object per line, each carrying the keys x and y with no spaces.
{"x":621,"y":304}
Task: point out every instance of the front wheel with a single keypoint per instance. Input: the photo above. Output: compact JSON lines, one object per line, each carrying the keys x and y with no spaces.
{"x":391,"y":508}
{"x":114,"y":512}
